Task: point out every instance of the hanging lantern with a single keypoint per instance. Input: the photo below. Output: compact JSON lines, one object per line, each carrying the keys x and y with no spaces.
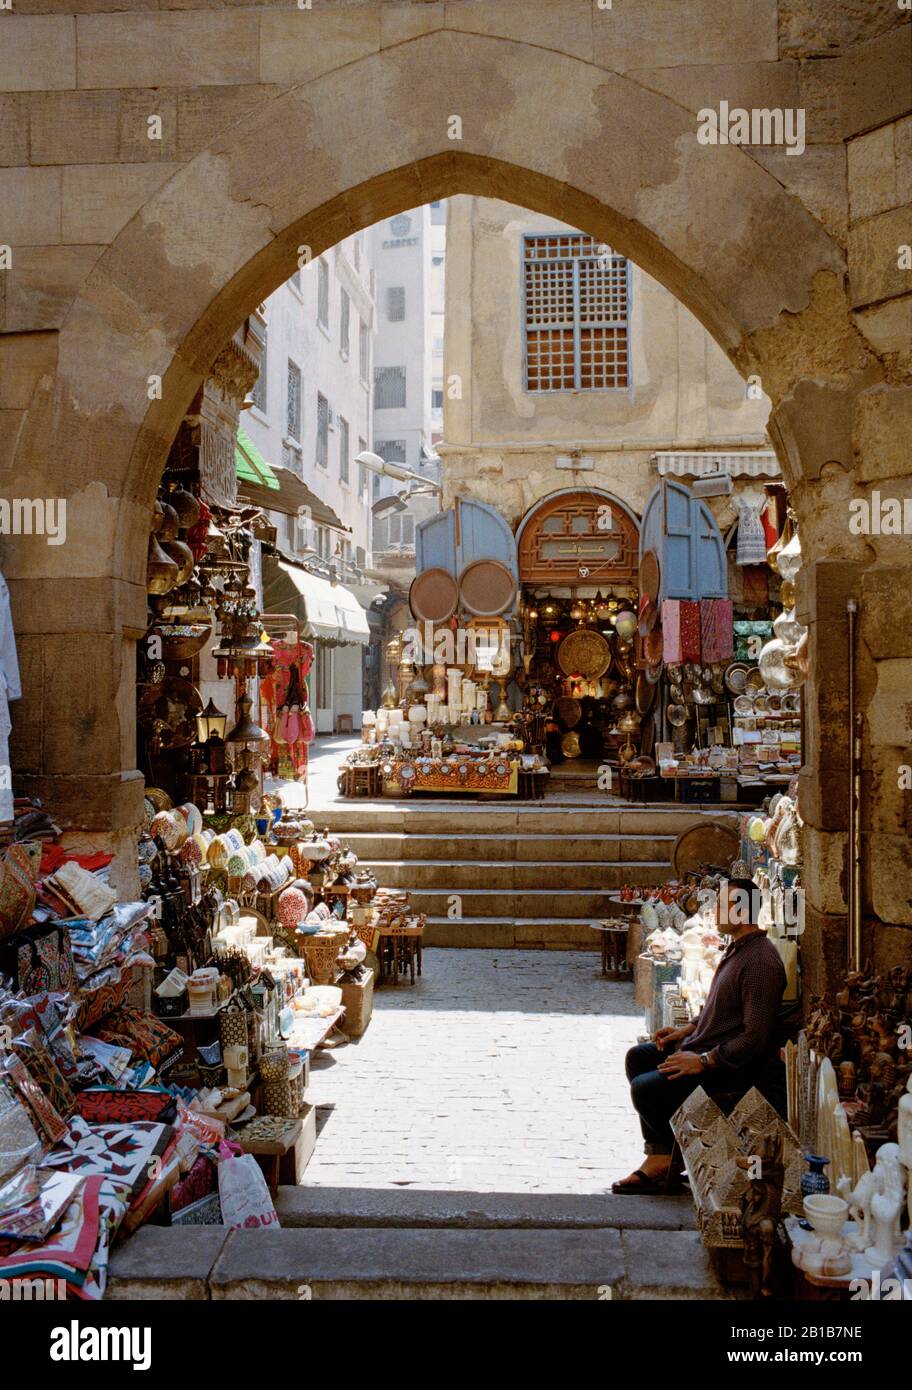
{"x":210,"y":723}
{"x":625,"y":624}
{"x":245,"y":730}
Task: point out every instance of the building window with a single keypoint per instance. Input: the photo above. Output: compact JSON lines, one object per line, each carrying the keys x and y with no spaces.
{"x":395,"y":303}
{"x":389,"y":388}
{"x":362,"y":471}
{"x":323,"y":293}
{"x":343,"y":450}
{"x":436,"y":400}
{"x":390,"y":450}
{"x":344,"y":324}
{"x":364,"y":352}
{"x":576,"y":301}
{"x":259,"y":390}
{"x":395,"y":531}
{"x":293,"y":401}
{"x":322,"y":431}
{"x":360,"y":556}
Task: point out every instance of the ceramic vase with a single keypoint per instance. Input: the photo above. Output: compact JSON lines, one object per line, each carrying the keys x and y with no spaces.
{"x":815,"y":1179}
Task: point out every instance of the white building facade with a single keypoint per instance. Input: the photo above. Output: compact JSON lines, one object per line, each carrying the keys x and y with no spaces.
{"x":408,"y":253}
{"x":312,"y":414}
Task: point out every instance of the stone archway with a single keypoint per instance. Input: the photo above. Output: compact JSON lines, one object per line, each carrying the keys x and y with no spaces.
{"x":324,"y":157}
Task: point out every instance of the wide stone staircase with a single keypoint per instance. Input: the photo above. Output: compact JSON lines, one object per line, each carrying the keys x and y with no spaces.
{"x":531,"y":875}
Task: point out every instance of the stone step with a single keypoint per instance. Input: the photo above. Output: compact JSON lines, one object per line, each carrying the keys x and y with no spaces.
{"x":490,"y":845}
{"x":546,"y":933}
{"x":435,"y":818}
{"x":393,"y":1262}
{"x":478,"y":1211}
{"x":535,"y":904}
{"x":545,"y":875}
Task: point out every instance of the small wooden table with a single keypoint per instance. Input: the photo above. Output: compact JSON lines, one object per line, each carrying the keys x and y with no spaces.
{"x":614,"y":950}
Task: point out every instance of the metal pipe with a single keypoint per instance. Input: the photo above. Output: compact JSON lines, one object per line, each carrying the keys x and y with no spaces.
{"x":853,"y":919}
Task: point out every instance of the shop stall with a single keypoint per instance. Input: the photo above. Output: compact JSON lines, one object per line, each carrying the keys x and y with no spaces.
{"x":158,"y":1018}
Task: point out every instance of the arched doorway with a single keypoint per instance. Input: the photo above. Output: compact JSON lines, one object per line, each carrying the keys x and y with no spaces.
{"x":578,"y":536}
{"x":622,"y":162}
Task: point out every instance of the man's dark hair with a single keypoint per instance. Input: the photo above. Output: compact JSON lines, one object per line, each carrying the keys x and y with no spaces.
{"x":746,"y":890}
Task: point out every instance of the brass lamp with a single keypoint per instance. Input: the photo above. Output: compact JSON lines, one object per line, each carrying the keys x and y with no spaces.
{"x":245,"y":730}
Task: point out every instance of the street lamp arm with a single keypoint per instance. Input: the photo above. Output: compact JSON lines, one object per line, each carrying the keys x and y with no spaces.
{"x":375,"y":464}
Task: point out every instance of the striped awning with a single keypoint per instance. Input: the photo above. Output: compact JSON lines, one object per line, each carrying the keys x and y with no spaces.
{"x":756,"y":463}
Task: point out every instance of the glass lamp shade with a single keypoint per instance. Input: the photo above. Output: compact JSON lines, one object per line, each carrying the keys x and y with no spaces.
{"x":245,"y":731}
{"x":625,"y":624}
{"x":210,"y":723}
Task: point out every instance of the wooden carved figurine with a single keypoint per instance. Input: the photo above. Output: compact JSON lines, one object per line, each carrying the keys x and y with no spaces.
{"x":761,"y":1206}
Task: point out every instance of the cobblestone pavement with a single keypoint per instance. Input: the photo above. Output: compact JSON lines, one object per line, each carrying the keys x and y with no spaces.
{"x":500,"y":1071}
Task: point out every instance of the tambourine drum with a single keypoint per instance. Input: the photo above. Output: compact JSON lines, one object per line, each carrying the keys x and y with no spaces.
{"x":433,"y":596}
{"x":486,"y":588}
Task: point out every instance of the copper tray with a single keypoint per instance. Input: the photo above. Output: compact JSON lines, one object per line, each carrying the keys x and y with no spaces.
{"x":584,"y":653}
{"x":433,"y":596}
{"x":486,"y":588}
{"x":709,"y":843}
{"x":650,"y":575}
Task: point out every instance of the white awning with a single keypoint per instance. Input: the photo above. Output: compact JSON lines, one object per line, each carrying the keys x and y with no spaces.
{"x":331,"y":611}
{"x":745,"y":464}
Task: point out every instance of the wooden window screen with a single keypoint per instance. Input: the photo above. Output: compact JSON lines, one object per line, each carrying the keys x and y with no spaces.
{"x":575,"y":302}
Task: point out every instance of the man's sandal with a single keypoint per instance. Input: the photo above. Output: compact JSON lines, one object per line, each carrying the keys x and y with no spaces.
{"x":640,"y":1184}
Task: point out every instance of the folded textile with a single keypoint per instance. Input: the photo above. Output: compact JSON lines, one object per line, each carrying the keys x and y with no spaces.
{"x":84,"y":890}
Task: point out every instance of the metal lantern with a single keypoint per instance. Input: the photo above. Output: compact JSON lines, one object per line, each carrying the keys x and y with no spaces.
{"x":245,"y":730}
{"x":210,"y":723}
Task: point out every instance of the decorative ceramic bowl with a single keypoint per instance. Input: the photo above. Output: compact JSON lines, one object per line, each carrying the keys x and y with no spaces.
{"x":826,"y":1213}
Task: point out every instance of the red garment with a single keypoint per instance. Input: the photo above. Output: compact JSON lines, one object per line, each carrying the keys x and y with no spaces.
{"x":52,"y":856}
{"x":716,"y":631}
{"x":770,"y":530}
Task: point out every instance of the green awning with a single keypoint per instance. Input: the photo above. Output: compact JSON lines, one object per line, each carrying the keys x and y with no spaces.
{"x":251,"y":466}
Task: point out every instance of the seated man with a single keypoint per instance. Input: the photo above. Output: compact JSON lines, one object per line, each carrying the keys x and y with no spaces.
{"x":728,"y":1048}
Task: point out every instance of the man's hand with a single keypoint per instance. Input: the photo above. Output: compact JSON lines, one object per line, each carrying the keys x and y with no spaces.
{"x":665,"y":1036}
{"x":681,"y":1064}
